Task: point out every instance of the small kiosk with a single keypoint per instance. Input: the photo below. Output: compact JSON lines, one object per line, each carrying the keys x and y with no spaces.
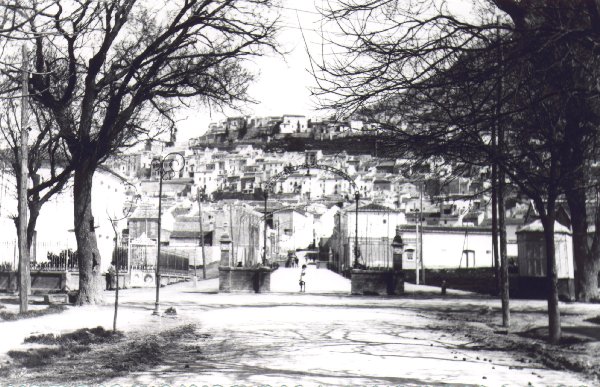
{"x":532,"y":281}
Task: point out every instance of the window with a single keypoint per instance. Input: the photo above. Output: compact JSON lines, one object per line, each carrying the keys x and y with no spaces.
{"x":410,"y":254}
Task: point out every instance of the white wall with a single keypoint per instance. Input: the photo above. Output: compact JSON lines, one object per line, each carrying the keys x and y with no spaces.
{"x":294,"y":124}
{"x":374,"y":224}
{"x":444,"y":249}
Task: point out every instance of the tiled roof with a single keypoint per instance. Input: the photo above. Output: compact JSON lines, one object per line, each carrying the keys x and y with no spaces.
{"x":189,"y":224}
{"x":375,"y":207}
{"x":145,"y":212}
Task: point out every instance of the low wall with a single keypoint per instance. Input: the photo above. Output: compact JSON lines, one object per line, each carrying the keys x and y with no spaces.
{"x":482,"y":280}
{"x":40,"y":281}
{"x":8,"y":281}
{"x":72,"y":281}
{"x":478,"y":280}
{"x":244,"y":279}
{"x":537,"y":288}
{"x":376,"y":282}
{"x":45,"y":281}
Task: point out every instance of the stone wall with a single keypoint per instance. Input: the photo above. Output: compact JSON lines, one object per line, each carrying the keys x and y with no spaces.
{"x":8,"y":281}
{"x":46,"y":281}
{"x":537,"y":288}
{"x":244,"y":279}
{"x":479,"y":280}
{"x":377,"y":282}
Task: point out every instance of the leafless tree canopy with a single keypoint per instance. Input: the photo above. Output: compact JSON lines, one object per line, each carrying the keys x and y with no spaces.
{"x":446,"y":80}
{"x":112,"y":72}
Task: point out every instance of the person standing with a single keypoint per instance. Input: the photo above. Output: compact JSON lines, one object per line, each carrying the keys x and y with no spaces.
{"x":303,"y":279}
{"x":110,"y":277}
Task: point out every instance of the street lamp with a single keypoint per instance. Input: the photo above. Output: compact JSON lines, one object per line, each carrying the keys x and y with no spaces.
{"x":397,"y":275}
{"x":201,"y":194}
{"x":397,"y":250}
{"x":264,"y":254}
{"x":166,"y":167}
{"x":356,"y":249}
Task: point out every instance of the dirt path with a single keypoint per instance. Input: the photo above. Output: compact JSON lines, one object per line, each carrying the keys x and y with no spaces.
{"x":313,"y":340}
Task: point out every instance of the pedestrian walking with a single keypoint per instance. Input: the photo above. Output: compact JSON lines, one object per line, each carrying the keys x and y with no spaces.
{"x":302,"y":279}
{"x":110,"y":277}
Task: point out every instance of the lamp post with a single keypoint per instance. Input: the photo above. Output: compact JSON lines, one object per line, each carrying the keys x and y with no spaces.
{"x":201,"y":193}
{"x":356,"y":249}
{"x":264,"y":255}
{"x":166,"y":168}
{"x":397,"y":250}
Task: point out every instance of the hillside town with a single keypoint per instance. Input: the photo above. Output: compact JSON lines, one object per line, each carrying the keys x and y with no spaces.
{"x":445,"y":223}
{"x":277,"y":192}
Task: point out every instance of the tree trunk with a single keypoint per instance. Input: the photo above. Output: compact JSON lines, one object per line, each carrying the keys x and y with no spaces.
{"x":34,"y":213}
{"x":586,"y":263}
{"x":554,"y":331}
{"x":90,"y":278}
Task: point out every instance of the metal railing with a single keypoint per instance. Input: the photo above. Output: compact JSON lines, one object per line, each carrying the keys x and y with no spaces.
{"x":51,"y":256}
{"x":374,"y":253}
{"x":172,"y":260}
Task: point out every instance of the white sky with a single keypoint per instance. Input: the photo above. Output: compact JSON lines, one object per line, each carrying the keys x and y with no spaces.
{"x":282,"y":82}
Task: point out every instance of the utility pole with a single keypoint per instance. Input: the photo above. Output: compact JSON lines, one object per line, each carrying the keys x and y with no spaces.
{"x":417,"y":252}
{"x":264,"y":257}
{"x":233,"y":255}
{"x":356,"y":248}
{"x":504,"y":279}
{"x":24,"y":269}
{"x":495,"y":254}
{"x":200,"y":198}
{"x":421,"y":232}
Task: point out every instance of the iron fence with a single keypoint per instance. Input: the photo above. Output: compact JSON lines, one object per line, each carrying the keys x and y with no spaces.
{"x":53,"y":256}
{"x":44,"y":256}
{"x":172,"y":260}
{"x":374,"y":253}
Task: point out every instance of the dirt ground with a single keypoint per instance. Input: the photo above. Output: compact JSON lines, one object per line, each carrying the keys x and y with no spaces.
{"x":419,"y":339}
{"x":528,"y":333}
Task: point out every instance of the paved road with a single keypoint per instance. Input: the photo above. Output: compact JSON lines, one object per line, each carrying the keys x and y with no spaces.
{"x":303,"y":339}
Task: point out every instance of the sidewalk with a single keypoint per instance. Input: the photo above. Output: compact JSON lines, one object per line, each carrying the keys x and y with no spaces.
{"x":285,"y":280}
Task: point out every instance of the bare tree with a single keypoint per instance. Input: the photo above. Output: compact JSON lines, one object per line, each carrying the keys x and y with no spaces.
{"x":433,"y":72}
{"x":113,"y":73}
{"x":47,"y":168}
